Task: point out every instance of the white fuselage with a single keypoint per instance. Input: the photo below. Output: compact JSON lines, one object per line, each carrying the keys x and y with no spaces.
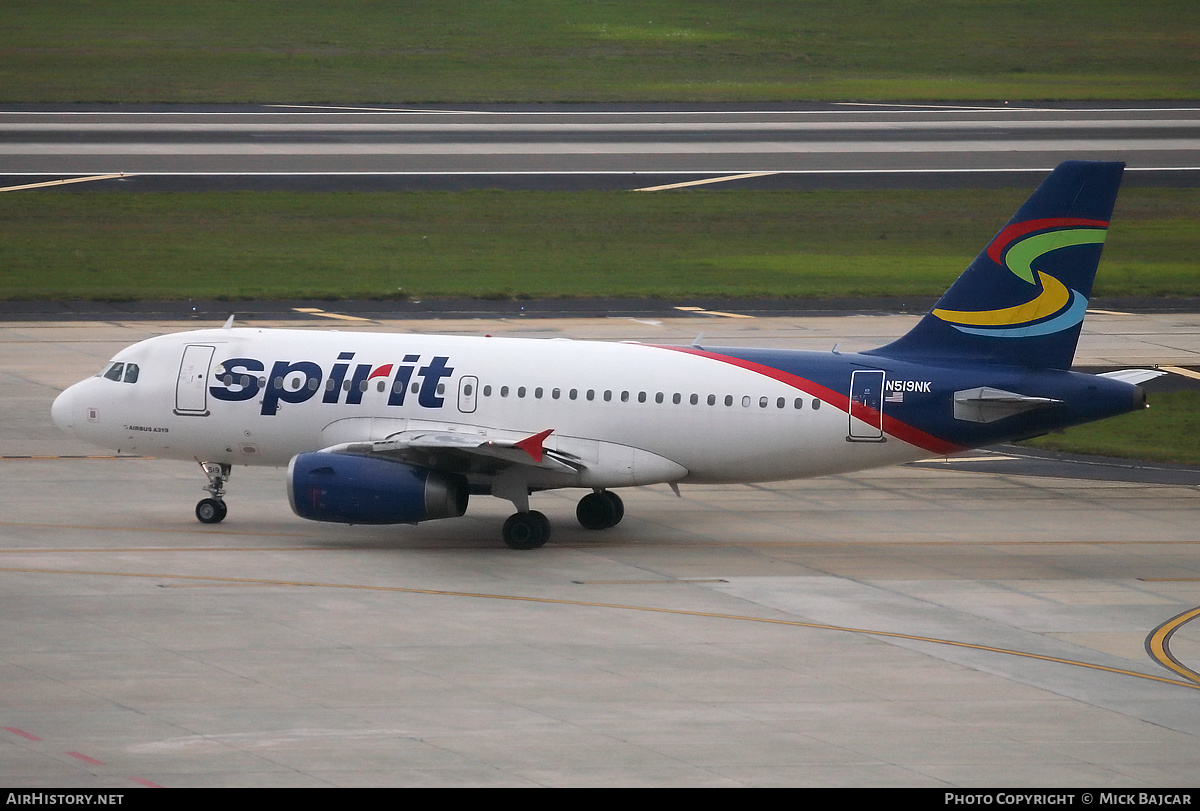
{"x":633,"y":413}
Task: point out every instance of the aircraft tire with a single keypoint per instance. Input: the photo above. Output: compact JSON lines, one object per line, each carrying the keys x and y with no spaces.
{"x":526,"y":530}
{"x":600,"y":510}
{"x":617,"y":504}
{"x":211,"y":511}
{"x":595,"y":511}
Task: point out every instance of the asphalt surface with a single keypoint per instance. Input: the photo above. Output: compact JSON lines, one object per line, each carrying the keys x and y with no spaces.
{"x":1006,"y":618}
{"x":564,"y":147}
{"x":913,"y":626}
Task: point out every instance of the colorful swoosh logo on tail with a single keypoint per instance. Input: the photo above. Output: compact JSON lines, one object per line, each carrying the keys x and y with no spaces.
{"x":1054,"y":308}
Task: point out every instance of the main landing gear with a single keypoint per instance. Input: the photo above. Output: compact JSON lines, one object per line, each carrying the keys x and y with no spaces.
{"x":213,"y":510}
{"x":602,"y":509}
{"x":530,"y":529}
{"x":527,"y":530}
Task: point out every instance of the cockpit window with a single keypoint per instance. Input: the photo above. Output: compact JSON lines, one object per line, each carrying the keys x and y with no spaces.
{"x":114,"y":372}
{"x":131,"y":372}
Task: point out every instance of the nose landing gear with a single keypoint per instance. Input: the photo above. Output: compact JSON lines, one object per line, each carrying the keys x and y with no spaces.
{"x":213,"y":510}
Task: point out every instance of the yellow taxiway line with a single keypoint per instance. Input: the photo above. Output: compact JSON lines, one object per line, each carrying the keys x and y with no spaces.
{"x":63,"y":182}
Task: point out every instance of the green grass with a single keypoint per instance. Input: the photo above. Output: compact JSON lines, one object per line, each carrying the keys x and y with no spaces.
{"x":596,"y":50}
{"x":113,"y":245}
{"x":1163,"y":433}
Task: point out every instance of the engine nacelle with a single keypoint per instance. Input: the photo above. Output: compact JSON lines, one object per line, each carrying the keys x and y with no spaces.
{"x":348,"y":489}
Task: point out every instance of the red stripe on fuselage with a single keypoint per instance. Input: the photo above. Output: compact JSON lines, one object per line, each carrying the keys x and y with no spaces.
{"x":901,"y":430}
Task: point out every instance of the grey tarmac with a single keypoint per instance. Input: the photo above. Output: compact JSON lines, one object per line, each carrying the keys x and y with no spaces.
{"x":912,"y":626}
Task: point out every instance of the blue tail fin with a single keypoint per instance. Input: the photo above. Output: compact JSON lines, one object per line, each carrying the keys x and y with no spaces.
{"x":1022,"y":301}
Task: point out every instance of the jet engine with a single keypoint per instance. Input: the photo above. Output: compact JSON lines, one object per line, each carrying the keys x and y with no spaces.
{"x":348,"y":489}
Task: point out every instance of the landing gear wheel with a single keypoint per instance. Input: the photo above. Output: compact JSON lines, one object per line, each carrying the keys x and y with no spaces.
{"x":211,"y":511}
{"x":526,"y":530}
{"x":600,"y":510}
{"x":618,"y":506}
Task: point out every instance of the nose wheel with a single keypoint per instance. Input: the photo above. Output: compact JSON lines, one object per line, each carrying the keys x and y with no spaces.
{"x":213,"y":510}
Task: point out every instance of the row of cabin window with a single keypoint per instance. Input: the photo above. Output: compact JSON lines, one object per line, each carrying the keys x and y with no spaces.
{"x":659,"y":397}
{"x":539,"y":392}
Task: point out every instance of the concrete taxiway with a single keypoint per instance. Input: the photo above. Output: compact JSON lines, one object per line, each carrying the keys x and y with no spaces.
{"x":911,"y":626}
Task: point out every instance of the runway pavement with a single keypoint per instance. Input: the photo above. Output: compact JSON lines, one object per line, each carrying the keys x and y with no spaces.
{"x":565,"y":147}
{"x":913,"y":626}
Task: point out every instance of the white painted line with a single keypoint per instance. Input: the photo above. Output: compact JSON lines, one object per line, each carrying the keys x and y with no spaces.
{"x":947,"y":459}
{"x":600,"y":147}
{"x":910,"y":109}
{"x":1106,"y":312}
{"x":628,"y":172}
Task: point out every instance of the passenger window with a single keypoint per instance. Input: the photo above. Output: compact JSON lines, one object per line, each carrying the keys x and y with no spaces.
{"x":641,"y":396}
{"x":728,"y":399}
{"x":816,"y":404}
{"x":538,"y":392}
{"x":676,"y":398}
{"x":591,"y":395}
{"x":780,"y":403}
{"x":574,"y":394}
{"x":504,"y":391}
{"x":762,"y":402}
{"x":520,"y":391}
{"x":695,"y":399}
{"x":556,"y":393}
{"x":114,"y":372}
{"x":487,"y":390}
{"x":624,"y":397}
{"x":607,"y":395}
{"x":746,"y":401}
{"x":658,"y":398}
{"x":131,"y":372}
{"x":712,"y":399}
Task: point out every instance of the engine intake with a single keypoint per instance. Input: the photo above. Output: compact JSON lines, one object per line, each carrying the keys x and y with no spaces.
{"x":346,"y":489}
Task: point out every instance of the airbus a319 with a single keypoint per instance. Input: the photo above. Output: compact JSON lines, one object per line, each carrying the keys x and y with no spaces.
{"x":398,"y":429}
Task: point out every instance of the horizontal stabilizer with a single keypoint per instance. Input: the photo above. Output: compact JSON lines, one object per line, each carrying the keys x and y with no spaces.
{"x":1133,"y":376}
{"x":985,"y":404}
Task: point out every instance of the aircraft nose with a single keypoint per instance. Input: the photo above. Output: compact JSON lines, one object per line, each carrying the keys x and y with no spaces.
{"x":62,"y":413}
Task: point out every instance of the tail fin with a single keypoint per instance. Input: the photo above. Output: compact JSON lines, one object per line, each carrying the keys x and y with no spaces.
{"x":1022,"y":301}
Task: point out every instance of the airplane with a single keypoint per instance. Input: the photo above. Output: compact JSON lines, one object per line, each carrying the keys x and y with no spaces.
{"x":398,"y":429}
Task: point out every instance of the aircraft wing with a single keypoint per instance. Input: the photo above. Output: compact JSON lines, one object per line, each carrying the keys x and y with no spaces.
{"x":459,"y":449}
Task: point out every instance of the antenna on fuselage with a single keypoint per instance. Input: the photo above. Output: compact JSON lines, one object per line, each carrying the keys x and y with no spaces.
{"x":229,"y":322}
{"x":696,"y":342}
